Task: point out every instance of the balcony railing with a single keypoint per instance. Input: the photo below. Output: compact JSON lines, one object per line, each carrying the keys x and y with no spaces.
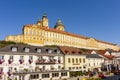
{"x":44,"y":61}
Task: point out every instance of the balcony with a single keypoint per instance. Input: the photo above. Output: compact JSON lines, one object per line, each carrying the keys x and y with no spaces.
{"x":1,"y":61}
{"x":21,"y":61}
{"x":9,"y":73}
{"x":44,"y":61}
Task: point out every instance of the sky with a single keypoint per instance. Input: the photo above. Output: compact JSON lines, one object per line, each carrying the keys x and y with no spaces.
{"x":99,"y":19}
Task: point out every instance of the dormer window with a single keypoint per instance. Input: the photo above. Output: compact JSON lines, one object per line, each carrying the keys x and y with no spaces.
{"x":14,"y":49}
{"x":73,"y":52}
{"x":39,"y":50}
{"x":57,"y":51}
{"x":27,"y":50}
{"x":49,"y":50}
{"x":66,"y":52}
{"x":80,"y":52}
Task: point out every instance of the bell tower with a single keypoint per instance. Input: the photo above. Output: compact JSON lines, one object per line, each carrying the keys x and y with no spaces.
{"x":45,"y":21}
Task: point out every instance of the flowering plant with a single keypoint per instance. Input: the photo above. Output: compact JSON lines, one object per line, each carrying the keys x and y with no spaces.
{"x":30,"y":61}
{"x":2,"y":60}
{"x":10,"y":61}
{"x":9,"y":73}
{"x":21,"y":61}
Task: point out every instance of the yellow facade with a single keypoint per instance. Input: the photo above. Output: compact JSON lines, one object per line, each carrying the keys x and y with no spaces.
{"x":40,"y":34}
{"x":75,"y":62}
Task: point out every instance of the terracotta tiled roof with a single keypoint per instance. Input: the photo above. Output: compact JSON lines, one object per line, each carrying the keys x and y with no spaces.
{"x":86,"y":51}
{"x":70,"y":50}
{"x":102,"y":52}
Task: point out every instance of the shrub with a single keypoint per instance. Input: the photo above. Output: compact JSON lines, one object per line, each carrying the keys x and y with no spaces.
{"x":91,"y":79}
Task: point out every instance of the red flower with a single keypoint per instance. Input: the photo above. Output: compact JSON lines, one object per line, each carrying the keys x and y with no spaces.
{"x":59,"y":61}
{"x":30,"y":61}
{"x":1,"y":61}
{"x":9,"y":73}
{"x":21,"y":61}
{"x":10,"y":61}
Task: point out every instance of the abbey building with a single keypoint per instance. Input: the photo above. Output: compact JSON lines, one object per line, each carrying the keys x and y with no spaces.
{"x":41,"y":34}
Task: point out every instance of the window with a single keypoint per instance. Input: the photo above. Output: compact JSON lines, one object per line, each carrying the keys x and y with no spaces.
{"x":59,"y":60}
{"x":49,"y":50}
{"x":89,"y":64}
{"x":11,"y":57}
{"x":40,"y":57}
{"x":76,"y":67}
{"x":64,"y":74}
{"x":59,"y":67}
{"x":34,"y":32}
{"x":93,"y":64}
{"x":21,"y":57}
{"x":72,"y":60}
{"x":55,"y":74}
{"x":27,"y":49}
{"x":34,"y":76}
{"x":45,"y":75}
{"x":76,"y":60}
{"x":83,"y":60}
{"x":14,"y":49}
{"x":9,"y":69}
{"x":80,"y":67}
{"x":80,"y":60}
{"x":43,"y":68}
{"x":39,"y":50}
{"x":73,"y":67}
{"x":51,"y":58}
{"x":69,"y":60}
{"x":1,"y":57}
{"x":84,"y":67}
{"x":57,"y":51}
{"x":1,"y":69}
{"x":26,"y":32}
{"x":69,"y":68}
{"x":30,"y":57}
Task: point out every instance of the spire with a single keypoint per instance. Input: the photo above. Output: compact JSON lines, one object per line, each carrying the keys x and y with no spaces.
{"x":38,"y":22}
{"x":44,"y":16}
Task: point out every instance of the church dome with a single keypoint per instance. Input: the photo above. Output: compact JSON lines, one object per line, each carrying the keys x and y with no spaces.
{"x":59,"y":25}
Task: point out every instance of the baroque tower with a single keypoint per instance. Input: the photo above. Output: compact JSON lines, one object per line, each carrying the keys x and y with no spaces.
{"x":59,"y":26}
{"x":45,"y":22}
